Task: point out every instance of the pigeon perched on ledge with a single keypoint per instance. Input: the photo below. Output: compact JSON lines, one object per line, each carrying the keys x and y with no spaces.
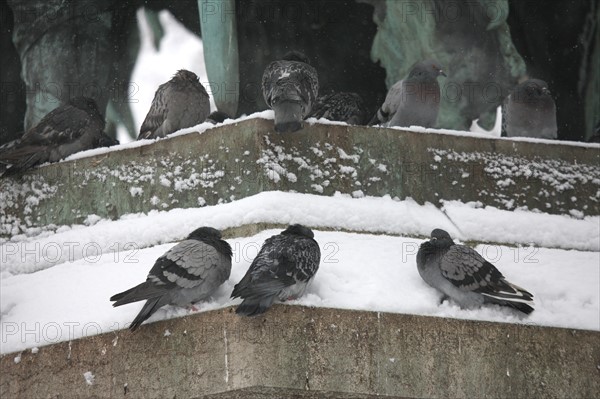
{"x":217,"y":117}
{"x":413,"y":101}
{"x":460,"y":273}
{"x":290,"y":87}
{"x":68,"y":129}
{"x":282,"y":270}
{"x":529,"y":111}
{"x":179,"y":103}
{"x":341,"y":107}
{"x":189,"y":272}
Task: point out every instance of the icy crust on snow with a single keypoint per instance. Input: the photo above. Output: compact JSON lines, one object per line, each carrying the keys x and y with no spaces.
{"x":557,"y":176}
{"x":42,"y":250}
{"x":357,"y":271}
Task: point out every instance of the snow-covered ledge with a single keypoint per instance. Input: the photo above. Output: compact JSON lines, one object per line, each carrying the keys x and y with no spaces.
{"x":243,"y":158}
{"x":309,"y":352}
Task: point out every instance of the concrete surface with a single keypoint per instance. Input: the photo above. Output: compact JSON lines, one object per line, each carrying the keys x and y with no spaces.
{"x":235,"y":161}
{"x":295,"y":351}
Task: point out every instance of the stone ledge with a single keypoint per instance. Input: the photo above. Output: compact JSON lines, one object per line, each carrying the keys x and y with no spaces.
{"x":318,"y":351}
{"x":235,"y":161}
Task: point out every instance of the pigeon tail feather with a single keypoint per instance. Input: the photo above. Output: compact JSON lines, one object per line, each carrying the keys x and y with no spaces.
{"x":151,"y":306}
{"x":255,"y":307}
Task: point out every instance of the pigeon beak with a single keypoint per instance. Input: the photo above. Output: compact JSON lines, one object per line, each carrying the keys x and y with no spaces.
{"x":443,"y":73}
{"x":545,"y":90}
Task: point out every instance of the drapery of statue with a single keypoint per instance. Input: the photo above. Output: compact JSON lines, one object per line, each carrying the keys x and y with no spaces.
{"x":89,"y":47}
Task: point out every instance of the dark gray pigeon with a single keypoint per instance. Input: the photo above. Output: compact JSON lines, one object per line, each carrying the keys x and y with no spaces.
{"x":341,"y":107}
{"x":189,"y":272}
{"x":460,"y":273}
{"x":529,"y":111}
{"x":70,"y":128}
{"x":290,"y":87}
{"x":217,"y":117}
{"x":413,"y":101}
{"x":282,"y":270}
{"x":179,"y":103}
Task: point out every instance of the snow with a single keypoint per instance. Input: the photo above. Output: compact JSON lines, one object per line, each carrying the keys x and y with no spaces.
{"x":89,"y":378}
{"x":63,"y":295}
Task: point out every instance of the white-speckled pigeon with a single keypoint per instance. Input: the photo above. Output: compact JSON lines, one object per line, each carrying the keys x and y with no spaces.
{"x":413,"y":101}
{"x":179,"y":103}
{"x":282,"y":270}
{"x":290,"y":87}
{"x":529,"y":111}
{"x":342,"y":107}
{"x":189,"y":272}
{"x":460,"y":273}
{"x":70,"y":128}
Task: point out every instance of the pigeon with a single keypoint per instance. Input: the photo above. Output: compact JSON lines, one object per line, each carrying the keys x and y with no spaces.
{"x":460,"y":273}
{"x":217,"y":117}
{"x":529,"y":111}
{"x":179,"y":103}
{"x":413,"y":101}
{"x":284,"y":267}
{"x":290,"y":87}
{"x":189,"y":272}
{"x":341,"y":107}
{"x":70,"y":128}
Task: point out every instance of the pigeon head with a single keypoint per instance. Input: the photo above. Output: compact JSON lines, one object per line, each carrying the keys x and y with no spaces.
{"x":205,"y":232}
{"x":426,"y":70}
{"x":441,"y":238}
{"x":184,"y":74}
{"x":297,"y":56}
{"x":300,"y":230}
{"x":217,"y":117}
{"x":86,"y":104}
{"x":531,"y":90}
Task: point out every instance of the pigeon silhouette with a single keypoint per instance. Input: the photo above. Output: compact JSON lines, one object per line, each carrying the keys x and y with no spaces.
{"x":189,"y":272}
{"x":460,"y":273}
{"x":290,"y":87}
{"x":529,"y":111}
{"x":413,"y":101}
{"x":341,"y":107}
{"x":179,"y":103}
{"x":68,"y":129}
{"x":282,"y":270}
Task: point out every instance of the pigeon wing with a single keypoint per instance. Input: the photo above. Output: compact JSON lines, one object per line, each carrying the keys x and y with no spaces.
{"x":469,"y":271}
{"x":156,"y":115}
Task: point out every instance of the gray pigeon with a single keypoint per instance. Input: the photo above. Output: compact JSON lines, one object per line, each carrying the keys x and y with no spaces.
{"x":179,"y":103}
{"x":290,"y":87}
{"x":413,"y":101}
{"x":189,"y":272}
{"x":282,"y":270}
{"x":341,"y":107}
{"x":460,"y":273}
{"x":70,"y":128}
{"x":529,"y":111}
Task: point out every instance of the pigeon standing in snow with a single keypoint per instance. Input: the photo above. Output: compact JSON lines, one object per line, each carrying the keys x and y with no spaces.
{"x":342,"y":107}
{"x":413,"y":101}
{"x":529,"y":111}
{"x":290,"y":87}
{"x":460,"y":273}
{"x":179,"y":103}
{"x":282,"y":270}
{"x":70,"y":128}
{"x":189,"y":272}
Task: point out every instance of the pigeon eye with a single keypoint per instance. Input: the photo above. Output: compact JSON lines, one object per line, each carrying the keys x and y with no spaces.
{"x":433,"y":238}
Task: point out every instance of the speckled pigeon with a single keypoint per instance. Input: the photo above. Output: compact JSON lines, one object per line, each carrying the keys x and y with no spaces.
{"x":189,"y":272}
{"x":290,"y":87}
{"x":341,"y":107}
{"x":179,"y":103}
{"x":460,"y":273}
{"x":413,"y":101}
{"x":529,"y":111}
{"x":282,"y":270}
{"x":70,"y":128}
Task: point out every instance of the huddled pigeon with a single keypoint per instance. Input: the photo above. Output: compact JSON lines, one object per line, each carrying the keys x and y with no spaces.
{"x":189,"y":272}
{"x":342,"y":107}
{"x":290,"y":87}
{"x":282,"y":270}
{"x":413,"y":101}
{"x":217,"y":117}
{"x":460,"y":273}
{"x":179,"y":103}
{"x":70,"y":128}
{"x":529,"y":111}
